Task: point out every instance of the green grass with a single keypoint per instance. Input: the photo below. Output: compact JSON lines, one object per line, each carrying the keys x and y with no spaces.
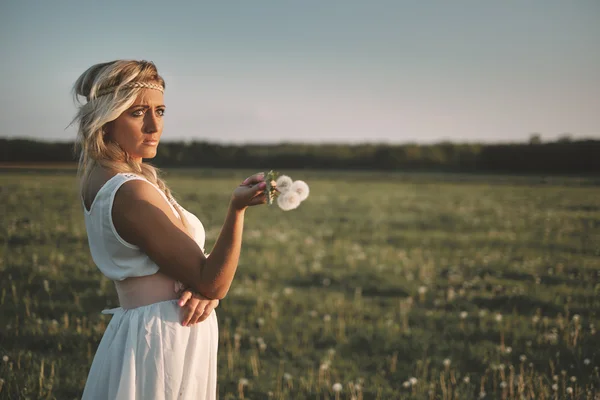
{"x":466,"y":283}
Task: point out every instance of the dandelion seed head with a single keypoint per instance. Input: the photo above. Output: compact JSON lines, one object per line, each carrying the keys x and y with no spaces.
{"x":327,"y":318}
{"x":301,"y":189}
{"x":287,"y":376}
{"x":570,"y":390}
{"x":587,"y":361}
{"x":337,"y":387}
{"x":447,"y":362}
{"x":573,"y":379}
{"x":284,"y":183}
{"x":422,"y":289}
{"x":466,"y":379}
{"x":498,"y":317}
{"x":406,"y":384}
{"x":482,"y":394}
{"x":243,"y":382}
{"x":288,"y":201}
{"x":508,"y":350}
{"x":555,"y":387}
{"x":464,"y":314}
{"x":523,"y":357}
{"x":503,"y":384}
{"x":413,"y":381}
{"x":5,"y":358}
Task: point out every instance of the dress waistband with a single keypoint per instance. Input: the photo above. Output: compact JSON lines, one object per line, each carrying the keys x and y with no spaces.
{"x":145,"y":290}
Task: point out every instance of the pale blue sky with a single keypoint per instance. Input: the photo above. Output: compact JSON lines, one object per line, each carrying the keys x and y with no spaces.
{"x":335,"y":71}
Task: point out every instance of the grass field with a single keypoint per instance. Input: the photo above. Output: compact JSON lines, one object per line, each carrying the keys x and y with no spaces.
{"x":424,"y":286}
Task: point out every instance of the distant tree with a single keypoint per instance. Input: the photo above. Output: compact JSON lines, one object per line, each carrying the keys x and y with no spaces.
{"x":565,"y":138}
{"x":535,"y":138}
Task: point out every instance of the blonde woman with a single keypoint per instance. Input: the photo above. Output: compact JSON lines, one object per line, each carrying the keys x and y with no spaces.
{"x":161,"y":343}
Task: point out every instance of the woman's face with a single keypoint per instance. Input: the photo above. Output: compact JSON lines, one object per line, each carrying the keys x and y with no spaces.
{"x":138,"y":129}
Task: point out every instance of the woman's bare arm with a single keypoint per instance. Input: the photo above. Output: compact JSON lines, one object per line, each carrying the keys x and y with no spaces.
{"x":142,"y":217}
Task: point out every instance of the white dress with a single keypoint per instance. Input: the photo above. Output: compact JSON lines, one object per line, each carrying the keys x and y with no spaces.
{"x":145,"y":352}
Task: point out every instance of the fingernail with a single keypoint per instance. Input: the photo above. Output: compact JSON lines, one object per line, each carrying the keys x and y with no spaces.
{"x":262,"y":185}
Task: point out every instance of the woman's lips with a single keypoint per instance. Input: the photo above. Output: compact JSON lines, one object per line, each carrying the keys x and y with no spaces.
{"x":151,"y":142}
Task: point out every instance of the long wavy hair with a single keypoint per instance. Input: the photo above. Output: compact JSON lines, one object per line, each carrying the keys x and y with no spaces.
{"x":98,"y":109}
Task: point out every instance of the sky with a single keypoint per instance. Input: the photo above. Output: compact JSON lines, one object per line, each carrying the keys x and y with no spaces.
{"x":316,"y":71}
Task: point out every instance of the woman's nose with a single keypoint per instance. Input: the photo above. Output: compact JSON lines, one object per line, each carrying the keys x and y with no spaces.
{"x":150,"y":123}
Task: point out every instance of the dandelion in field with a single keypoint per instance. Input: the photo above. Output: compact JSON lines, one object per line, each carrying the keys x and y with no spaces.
{"x":508,"y":350}
{"x":555,"y":378}
{"x":447,"y":363}
{"x":503,"y":384}
{"x":466,"y":379}
{"x":406,"y":384}
{"x":327,"y":318}
{"x":463,"y":315}
{"x":501,"y":367}
{"x":313,"y":313}
{"x":498,"y":317}
{"x":573,"y":379}
{"x":413,"y":381}
{"x":570,"y":390}
{"x":287,"y":376}
{"x":555,"y":387}
{"x":326,"y":282}
{"x":422,"y":290}
{"x":283,"y":183}
{"x":324,"y":366}
{"x":5,"y":358}
{"x":482,"y":394}
{"x":331,"y":352}
{"x":586,"y":361}
{"x":576,"y":318}
{"x":287,"y":291}
{"x":243,"y":382}
{"x":46,"y":286}
{"x":337,"y":387}
{"x":535,"y":319}
{"x":482,"y":313}
{"x":260,"y":321}
{"x":523,"y":357}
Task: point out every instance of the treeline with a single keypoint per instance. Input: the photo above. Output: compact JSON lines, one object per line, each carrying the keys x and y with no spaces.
{"x":564,"y":156}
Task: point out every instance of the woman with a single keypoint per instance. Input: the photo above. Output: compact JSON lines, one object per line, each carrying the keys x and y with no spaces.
{"x":162,"y":342}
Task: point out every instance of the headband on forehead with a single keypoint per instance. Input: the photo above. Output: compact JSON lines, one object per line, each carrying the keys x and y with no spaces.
{"x":143,"y":85}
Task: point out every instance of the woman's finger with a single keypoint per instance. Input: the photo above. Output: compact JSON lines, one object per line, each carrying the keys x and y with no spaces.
{"x":254,"y":179}
{"x":198,"y":312}
{"x":184,"y":298}
{"x":209,"y":308}
{"x":188,"y":311}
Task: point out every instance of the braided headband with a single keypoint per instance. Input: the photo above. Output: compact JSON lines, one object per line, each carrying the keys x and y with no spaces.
{"x":143,"y":85}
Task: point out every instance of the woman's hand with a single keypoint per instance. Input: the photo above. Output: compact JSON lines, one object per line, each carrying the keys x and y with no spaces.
{"x":251,"y":192}
{"x":195,"y":307}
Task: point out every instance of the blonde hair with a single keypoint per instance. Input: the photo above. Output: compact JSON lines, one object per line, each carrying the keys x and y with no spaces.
{"x":109,"y":89}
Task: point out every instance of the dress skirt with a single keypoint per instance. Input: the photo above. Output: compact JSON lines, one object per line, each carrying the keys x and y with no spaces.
{"x":147,"y":354}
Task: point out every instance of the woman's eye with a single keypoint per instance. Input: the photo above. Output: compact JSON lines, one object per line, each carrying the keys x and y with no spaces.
{"x":160,"y":112}
{"x":138,"y":113}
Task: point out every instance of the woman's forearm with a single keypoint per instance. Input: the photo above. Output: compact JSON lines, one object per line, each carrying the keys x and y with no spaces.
{"x":220,"y":266}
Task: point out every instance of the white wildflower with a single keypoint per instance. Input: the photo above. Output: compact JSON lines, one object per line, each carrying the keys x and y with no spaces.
{"x":5,"y":358}
{"x":502,"y":384}
{"x":466,"y":379}
{"x":498,"y":317}
{"x":508,"y":350}
{"x":46,"y":286}
{"x":447,"y":362}
{"x":422,"y":289}
{"x":283,"y":183}
{"x":573,"y":379}
{"x":555,"y":387}
{"x":482,"y":394}
{"x":327,"y":318}
{"x":587,"y":361}
{"x":523,"y":358}
{"x":463,"y":314}
{"x":337,"y":387}
{"x":301,"y":189}
{"x":406,"y":384}
{"x":413,"y":381}
{"x":243,"y":382}
{"x":287,"y":376}
{"x":288,"y":201}
{"x":570,"y":390}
